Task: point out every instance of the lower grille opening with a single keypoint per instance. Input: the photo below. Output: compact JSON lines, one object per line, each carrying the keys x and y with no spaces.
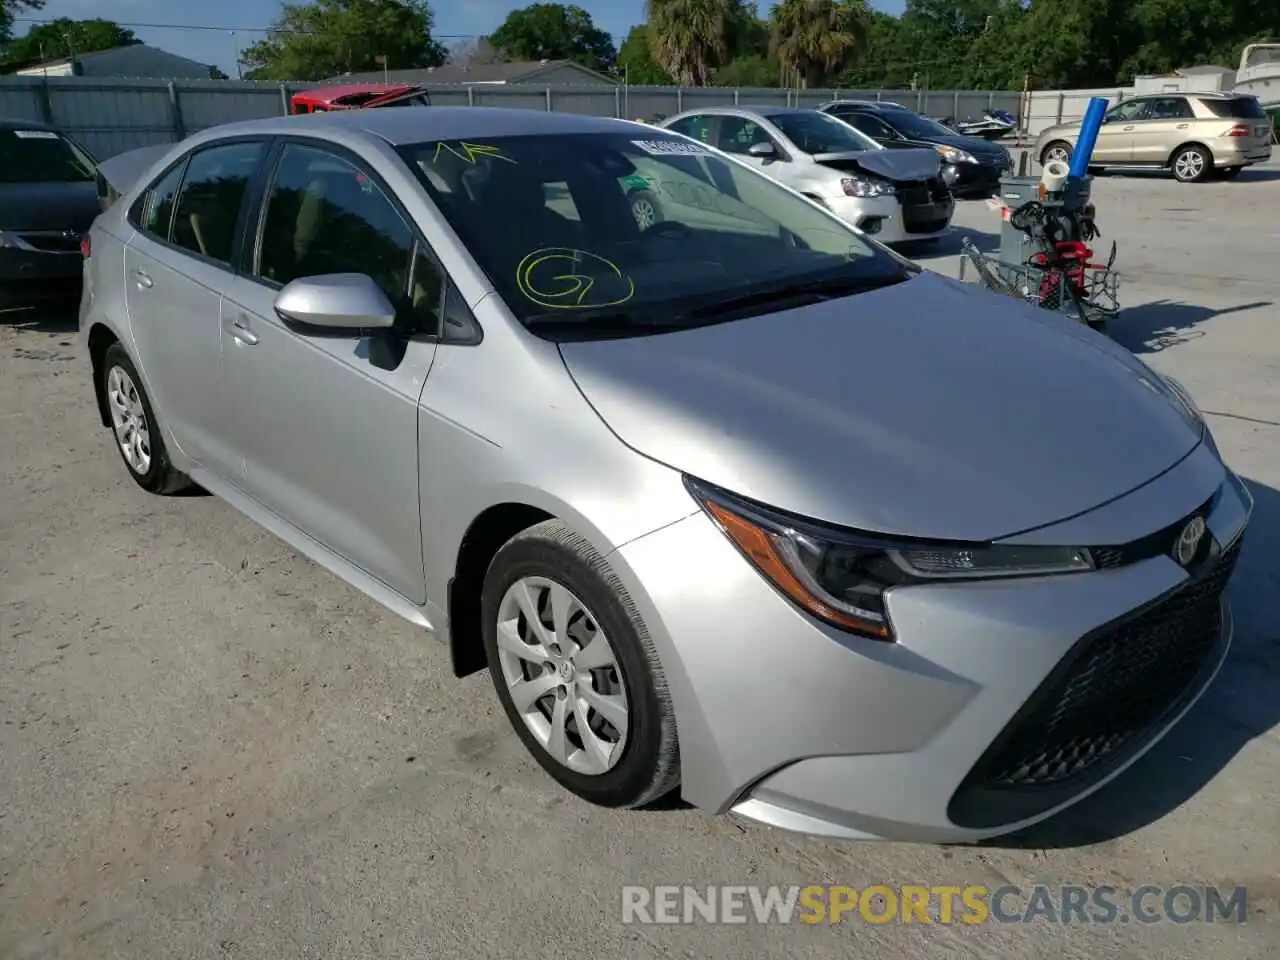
{"x":1099,"y":705}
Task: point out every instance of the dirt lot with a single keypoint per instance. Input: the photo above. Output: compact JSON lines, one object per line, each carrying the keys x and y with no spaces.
{"x":213,"y":749}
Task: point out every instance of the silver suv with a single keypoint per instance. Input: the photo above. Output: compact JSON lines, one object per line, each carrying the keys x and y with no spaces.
{"x":1196,"y":136}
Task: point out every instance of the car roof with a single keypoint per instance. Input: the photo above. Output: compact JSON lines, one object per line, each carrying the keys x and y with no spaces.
{"x":746,"y":110}
{"x":418,"y":124}
{"x":868,"y":104}
{"x":17,"y":123}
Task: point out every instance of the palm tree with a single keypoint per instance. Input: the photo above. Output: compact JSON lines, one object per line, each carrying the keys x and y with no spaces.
{"x":815,"y":37}
{"x":690,"y":38}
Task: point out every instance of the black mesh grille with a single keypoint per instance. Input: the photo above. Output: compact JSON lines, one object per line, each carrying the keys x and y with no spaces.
{"x":1116,"y":685}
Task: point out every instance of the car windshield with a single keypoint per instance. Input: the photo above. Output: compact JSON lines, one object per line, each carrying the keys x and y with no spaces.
{"x":42,"y":156}
{"x":815,"y":132}
{"x":913,"y":125}
{"x":1239,"y":108}
{"x":637,"y":227}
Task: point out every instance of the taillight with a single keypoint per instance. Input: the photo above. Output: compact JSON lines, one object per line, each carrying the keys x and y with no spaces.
{"x":85,"y":246}
{"x":1239,"y":130}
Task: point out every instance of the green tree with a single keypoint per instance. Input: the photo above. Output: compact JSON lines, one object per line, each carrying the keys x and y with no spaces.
{"x":314,"y":41}
{"x":553,"y":31}
{"x":62,"y":37}
{"x":691,"y":37}
{"x":814,"y":38}
{"x":753,"y":70}
{"x":9,"y":9}
{"x":636,"y":63}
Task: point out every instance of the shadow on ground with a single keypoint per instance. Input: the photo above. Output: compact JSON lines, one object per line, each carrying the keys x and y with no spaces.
{"x":952,"y":244}
{"x":1242,"y":704}
{"x":41,"y":320}
{"x":1152,"y":327}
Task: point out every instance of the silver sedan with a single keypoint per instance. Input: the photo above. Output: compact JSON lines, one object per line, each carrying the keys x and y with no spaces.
{"x":741,"y":503}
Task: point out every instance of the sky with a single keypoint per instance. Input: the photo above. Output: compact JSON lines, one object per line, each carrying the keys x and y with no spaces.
{"x":213,"y":32}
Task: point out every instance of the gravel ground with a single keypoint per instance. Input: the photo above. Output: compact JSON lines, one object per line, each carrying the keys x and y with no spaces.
{"x":212,"y":748}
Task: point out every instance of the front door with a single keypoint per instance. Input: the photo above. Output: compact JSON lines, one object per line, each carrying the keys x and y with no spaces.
{"x":1115,"y":139}
{"x":176,"y":267}
{"x":327,"y":422}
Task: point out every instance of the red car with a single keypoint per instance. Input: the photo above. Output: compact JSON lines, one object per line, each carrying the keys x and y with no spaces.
{"x":353,"y":96}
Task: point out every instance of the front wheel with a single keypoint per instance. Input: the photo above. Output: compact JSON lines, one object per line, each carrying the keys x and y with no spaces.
{"x":576,"y":671}
{"x":1192,"y":165}
{"x":1059,"y":151}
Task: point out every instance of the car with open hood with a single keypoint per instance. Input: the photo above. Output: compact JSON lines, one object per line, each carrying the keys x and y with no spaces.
{"x":978,"y":163}
{"x":894,"y":196}
{"x":742,"y":503}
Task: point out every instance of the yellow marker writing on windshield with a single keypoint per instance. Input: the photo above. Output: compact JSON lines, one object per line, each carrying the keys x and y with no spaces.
{"x":567,"y":268}
{"x":470,"y":152}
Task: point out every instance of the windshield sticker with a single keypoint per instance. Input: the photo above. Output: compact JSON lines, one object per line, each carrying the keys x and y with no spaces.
{"x":670,"y":148}
{"x":561,"y":278}
{"x":470,"y":153}
{"x":35,"y":135}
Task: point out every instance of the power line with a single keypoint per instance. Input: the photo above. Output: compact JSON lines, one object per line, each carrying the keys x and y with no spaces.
{"x":215,"y":29}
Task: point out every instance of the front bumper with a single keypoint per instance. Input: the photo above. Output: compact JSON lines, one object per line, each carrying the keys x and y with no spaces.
{"x":788,"y":722}
{"x":886,"y":219}
{"x":977,"y":180}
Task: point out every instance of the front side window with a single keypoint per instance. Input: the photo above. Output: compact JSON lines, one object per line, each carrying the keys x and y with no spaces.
{"x":325,"y":215}
{"x":738,"y":135}
{"x":814,"y":132}
{"x":213,"y":190}
{"x":697,"y":126}
{"x":42,"y":156}
{"x":1126,"y":112}
{"x":724,"y":230}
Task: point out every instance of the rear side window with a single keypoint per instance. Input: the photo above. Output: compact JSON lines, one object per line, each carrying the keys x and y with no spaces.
{"x":1238,"y":108}
{"x":156,"y":215}
{"x":209,"y":205}
{"x":42,"y":156}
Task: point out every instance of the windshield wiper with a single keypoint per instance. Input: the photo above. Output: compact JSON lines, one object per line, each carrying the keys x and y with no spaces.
{"x":599,"y":323}
{"x":811,"y":291}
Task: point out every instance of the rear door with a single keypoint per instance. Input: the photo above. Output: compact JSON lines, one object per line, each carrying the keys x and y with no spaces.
{"x":176,"y":267}
{"x":1162,"y":128}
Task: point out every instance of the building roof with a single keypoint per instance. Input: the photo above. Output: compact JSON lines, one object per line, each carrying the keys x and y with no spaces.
{"x":111,"y":53}
{"x":1202,"y":69}
{"x":515,"y":72}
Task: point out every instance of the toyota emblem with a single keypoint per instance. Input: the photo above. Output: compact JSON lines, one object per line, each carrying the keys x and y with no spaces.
{"x":1184,"y":550}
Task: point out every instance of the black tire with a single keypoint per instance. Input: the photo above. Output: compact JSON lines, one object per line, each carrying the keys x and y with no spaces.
{"x":645,"y":208}
{"x":1192,"y":164}
{"x":649,"y":766}
{"x":1055,"y":145}
{"x":160,"y":477}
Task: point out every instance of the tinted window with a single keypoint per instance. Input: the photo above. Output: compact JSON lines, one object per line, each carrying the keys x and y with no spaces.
{"x":1240,"y":108}
{"x":913,"y":125}
{"x":869,"y":125}
{"x":738,"y":134}
{"x":42,"y":156}
{"x":426,"y":292}
{"x":1130,"y":110}
{"x":1169,"y":108}
{"x":723,"y":230}
{"x":815,"y":132}
{"x":697,"y":127}
{"x":325,"y":215}
{"x":156,"y":215}
{"x":209,"y":204}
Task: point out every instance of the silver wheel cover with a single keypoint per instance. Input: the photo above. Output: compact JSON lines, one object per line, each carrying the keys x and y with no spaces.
{"x":129,"y":420}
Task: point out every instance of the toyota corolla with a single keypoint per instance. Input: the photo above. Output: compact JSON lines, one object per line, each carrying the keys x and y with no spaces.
{"x":742,"y":503}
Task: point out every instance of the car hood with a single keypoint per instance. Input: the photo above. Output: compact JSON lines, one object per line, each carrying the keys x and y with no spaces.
{"x":48,"y":206}
{"x":890,"y":164}
{"x":929,"y":408}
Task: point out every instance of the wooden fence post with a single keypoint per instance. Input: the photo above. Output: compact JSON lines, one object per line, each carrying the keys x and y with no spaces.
{"x":175,"y":113}
{"x":46,"y":103}
{"x":284,"y":100}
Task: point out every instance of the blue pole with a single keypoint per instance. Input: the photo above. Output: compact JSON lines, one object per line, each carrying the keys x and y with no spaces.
{"x":1088,"y":137}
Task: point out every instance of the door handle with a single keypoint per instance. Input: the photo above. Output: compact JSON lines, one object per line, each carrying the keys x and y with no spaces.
{"x":143,"y":280}
{"x":1128,"y":128}
{"x":1183,"y":126}
{"x":240,"y":330}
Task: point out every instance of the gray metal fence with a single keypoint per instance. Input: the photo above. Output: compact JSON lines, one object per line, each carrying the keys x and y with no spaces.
{"x":112,"y":116}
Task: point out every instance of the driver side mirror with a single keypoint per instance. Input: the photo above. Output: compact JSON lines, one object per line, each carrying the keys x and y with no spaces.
{"x":762,"y":151}
{"x":338,"y":301}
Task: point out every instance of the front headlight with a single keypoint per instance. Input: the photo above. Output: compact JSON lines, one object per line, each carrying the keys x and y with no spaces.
{"x":862,"y":187}
{"x":841,"y":576}
{"x":955,"y":154}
